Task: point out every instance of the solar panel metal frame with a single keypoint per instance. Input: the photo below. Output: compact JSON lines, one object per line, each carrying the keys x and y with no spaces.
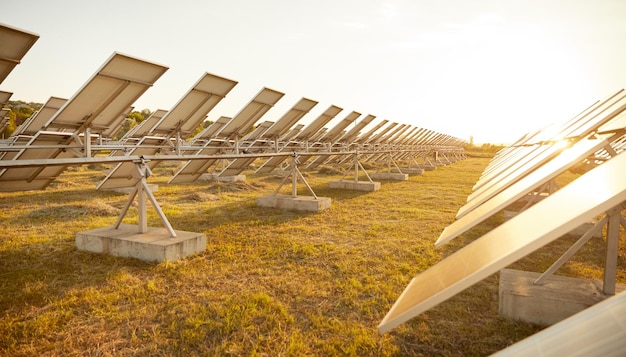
{"x":368,"y":135}
{"x":604,"y":189}
{"x":122,"y":175}
{"x":335,"y":133}
{"x":579,"y":126}
{"x":544,"y":153}
{"x":192,"y":108}
{"x":15,"y":44}
{"x":289,"y":119}
{"x":565,"y":160}
{"x":37,"y":121}
{"x":107,"y":94}
{"x":210,"y":131}
{"x":142,"y":129}
{"x":251,"y":113}
{"x":300,"y":109}
{"x":349,"y":137}
{"x":106,"y":90}
{"x":304,"y":136}
{"x":36,"y":178}
{"x":329,"y":114}
{"x":4,"y":97}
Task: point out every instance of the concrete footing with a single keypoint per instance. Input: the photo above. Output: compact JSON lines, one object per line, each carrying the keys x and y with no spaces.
{"x":429,"y":167}
{"x":547,"y":304}
{"x":128,"y":190}
{"x":156,"y":245}
{"x":355,"y":185}
{"x":392,"y":176}
{"x":298,"y":203}
{"x":413,"y":171}
{"x":216,"y":177}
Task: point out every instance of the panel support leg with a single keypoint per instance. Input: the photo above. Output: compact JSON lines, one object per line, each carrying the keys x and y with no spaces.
{"x":142,"y":191}
{"x":357,"y":165}
{"x":294,"y":174}
{"x":612,"y":241}
{"x":613,"y":219}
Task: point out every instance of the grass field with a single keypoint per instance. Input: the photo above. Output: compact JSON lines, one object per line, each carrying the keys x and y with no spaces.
{"x":270,"y":282}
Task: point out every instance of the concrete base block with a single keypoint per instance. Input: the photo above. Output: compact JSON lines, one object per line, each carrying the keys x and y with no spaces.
{"x":156,"y":245}
{"x":299,"y":203}
{"x":395,"y":176}
{"x":216,"y":177}
{"x":429,"y":167}
{"x":355,"y":185}
{"x":413,"y":171}
{"x":128,"y":190}
{"x":579,"y":231}
{"x":559,"y":298}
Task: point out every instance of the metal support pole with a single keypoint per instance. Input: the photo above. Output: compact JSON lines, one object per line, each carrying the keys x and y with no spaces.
{"x":87,"y":142}
{"x":571,"y":251}
{"x":294,"y":177}
{"x":142,"y":192}
{"x":612,"y":242}
{"x":356,"y":167}
{"x":142,"y":214}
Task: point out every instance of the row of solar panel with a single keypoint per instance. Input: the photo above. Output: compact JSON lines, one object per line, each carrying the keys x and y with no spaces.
{"x":594,"y":140}
{"x":84,"y":125}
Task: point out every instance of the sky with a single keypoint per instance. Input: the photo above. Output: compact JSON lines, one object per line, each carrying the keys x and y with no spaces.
{"x":490,"y":70}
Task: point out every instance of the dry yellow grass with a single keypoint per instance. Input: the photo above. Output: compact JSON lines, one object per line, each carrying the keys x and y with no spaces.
{"x":270,"y":282}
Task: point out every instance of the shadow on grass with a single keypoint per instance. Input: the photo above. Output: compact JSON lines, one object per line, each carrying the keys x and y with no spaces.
{"x":38,"y":274}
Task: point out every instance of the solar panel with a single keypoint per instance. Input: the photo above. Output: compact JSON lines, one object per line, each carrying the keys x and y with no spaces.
{"x":349,"y":137}
{"x":377,"y":138}
{"x":567,"y":159}
{"x":251,"y":113}
{"x":528,"y":159}
{"x":578,"y":127}
{"x":327,"y":140}
{"x":37,"y":121}
{"x":367,"y":136}
{"x":596,"y":331}
{"x":290,"y":118}
{"x":185,"y":116}
{"x":142,"y":129}
{"x":193,"y":169}
{"x":305,"y":135}
{"x":192,"y":108}
{"x":319,"y":122}
{"x":36,"y":178}
{"x":344,"y":142}
{"x":114,"y":86}
{"x":15,"y":44}
{"x":286,"y":121}
{"x":4,"y":97}
{"x":200,"y":145}
{"x":604,"y":188}
{"x":335,"y":133}
{"x":4,"y":118}
{"x":292,"y":133}
{"x":210,"y":131}
{"x":107,"y":94}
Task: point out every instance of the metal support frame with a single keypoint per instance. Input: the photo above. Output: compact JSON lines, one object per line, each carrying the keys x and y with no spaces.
{"x":549,"y":187}
{"x":142,"y":190}
{"x":390,"y":162}
{"x":356,"y":165}
{"x":613,"y":219}
{"x":294,"y":173}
